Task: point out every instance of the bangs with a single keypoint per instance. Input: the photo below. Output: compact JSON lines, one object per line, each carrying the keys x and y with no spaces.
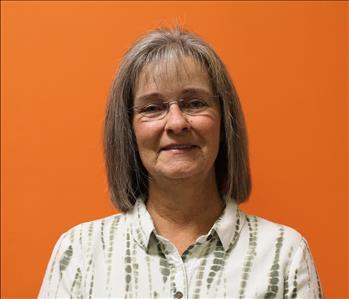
{"x":170,"y":64}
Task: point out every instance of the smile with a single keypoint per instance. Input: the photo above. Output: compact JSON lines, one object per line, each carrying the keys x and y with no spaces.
{"x":178,"y":147}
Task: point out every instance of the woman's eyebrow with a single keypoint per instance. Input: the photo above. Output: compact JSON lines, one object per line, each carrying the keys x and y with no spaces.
{"x":150,"y":96}
{"x":158,"y":96}
{"x":195,"y":90}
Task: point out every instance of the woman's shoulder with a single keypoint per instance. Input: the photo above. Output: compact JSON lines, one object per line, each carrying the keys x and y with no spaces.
{"x":269,"y":231}
{"x":88,"y":233}
{"x":109,"y":222}
{"x":275,"y":241}
{"x":280,"y":249}
{"x":78,"y":248}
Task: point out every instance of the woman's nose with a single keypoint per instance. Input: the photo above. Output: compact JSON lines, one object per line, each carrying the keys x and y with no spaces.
{"x":176,"y":120}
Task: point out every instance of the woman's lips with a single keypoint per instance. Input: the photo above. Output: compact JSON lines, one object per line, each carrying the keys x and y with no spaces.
{"x":178,"y":147}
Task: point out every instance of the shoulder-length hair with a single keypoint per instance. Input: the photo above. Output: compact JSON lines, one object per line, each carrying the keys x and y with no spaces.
{"x":126,"y":175}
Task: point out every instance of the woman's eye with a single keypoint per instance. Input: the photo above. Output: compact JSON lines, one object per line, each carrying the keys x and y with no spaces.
{"x":152,"y":108}
{"x":196,"y":104}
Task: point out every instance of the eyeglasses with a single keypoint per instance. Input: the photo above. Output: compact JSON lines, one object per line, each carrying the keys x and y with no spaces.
{"x":158,"y":110}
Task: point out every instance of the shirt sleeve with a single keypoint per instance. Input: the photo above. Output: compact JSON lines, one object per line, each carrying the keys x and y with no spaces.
{"x":302,"y":280}
{"x":63,"y":274}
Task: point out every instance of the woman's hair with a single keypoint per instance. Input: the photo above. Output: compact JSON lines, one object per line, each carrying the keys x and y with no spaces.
{"x":127,"y":177}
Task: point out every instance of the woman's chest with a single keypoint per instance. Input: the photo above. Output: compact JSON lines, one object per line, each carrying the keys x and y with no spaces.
{"x":216,"y":275}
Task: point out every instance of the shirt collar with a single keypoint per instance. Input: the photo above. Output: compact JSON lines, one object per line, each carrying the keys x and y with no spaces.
{"x":141,"y":223}
{"x":227,"y":226}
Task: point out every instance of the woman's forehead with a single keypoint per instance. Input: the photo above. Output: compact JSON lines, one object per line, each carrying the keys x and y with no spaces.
{"x":171,"y":74}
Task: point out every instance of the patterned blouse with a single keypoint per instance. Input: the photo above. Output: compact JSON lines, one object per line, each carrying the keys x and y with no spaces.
{"x":122,"y":256}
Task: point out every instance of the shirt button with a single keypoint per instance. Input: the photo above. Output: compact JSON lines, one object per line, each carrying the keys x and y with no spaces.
{"x":178,"y":295}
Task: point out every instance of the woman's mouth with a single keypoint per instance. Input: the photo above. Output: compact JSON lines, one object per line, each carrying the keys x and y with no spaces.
{"x":178,"y":147}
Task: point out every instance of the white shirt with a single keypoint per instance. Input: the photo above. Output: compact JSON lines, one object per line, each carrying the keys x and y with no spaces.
{"x":122,"y":256}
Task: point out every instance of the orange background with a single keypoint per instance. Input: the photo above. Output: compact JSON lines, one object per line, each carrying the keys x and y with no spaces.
{"x":288,"y":61}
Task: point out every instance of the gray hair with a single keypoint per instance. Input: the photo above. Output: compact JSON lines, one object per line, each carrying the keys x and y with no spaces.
{"x":127,"y":177}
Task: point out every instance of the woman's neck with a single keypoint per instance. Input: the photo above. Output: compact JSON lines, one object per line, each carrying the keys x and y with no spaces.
{"x":183,"y":210}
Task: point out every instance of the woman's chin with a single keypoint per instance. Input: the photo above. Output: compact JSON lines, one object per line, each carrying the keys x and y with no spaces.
{"x":179,"y":171}
{"x":179,"y":175}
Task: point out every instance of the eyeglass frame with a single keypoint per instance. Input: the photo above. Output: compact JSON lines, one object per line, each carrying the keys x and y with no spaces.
{"x":168,"y":105}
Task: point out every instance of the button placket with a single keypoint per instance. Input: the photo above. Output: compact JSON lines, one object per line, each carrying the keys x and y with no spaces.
{"x":180,"y":275}
{"x":177,"y":269}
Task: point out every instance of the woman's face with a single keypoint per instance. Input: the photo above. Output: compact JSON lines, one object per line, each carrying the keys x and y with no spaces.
{"x":179,"y":145}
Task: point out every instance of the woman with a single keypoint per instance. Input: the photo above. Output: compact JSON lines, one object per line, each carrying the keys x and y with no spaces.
{"x":177,"y":166}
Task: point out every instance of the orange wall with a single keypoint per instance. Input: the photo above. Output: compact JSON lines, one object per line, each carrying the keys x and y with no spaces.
{"x":288,"y":60}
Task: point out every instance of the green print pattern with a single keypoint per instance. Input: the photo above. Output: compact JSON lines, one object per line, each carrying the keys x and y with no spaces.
{"x":135,"y":268}
{"x":295,"y":285}
{"x":164,"y":266}
{"x":64,"y":262}
{"x":218,"y":263}
{"x":75,"y":288}
{"x":308,"y":271}
{"x":71,"y":236}
{"x":201,"y":271}
{"x":274,"y":274}
{"x":164,"y":269}
{"x":251,"y":253}
{"x":53,"y":268}
{"x":90,"y":293}
{"x":139,"y":231}
{"x":121,"y":256}
{"x":102,"y":235}
{"x":80,"y":236}
{"x":112,"y":236}
{"x":89,"y":253}
{"x":219,"y":277}
{"x":128,"y":267}
{"x":310,"y":262}
{"x":150,"y":282}
{"x":172,"y":282}
{"x":286,"y":286}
